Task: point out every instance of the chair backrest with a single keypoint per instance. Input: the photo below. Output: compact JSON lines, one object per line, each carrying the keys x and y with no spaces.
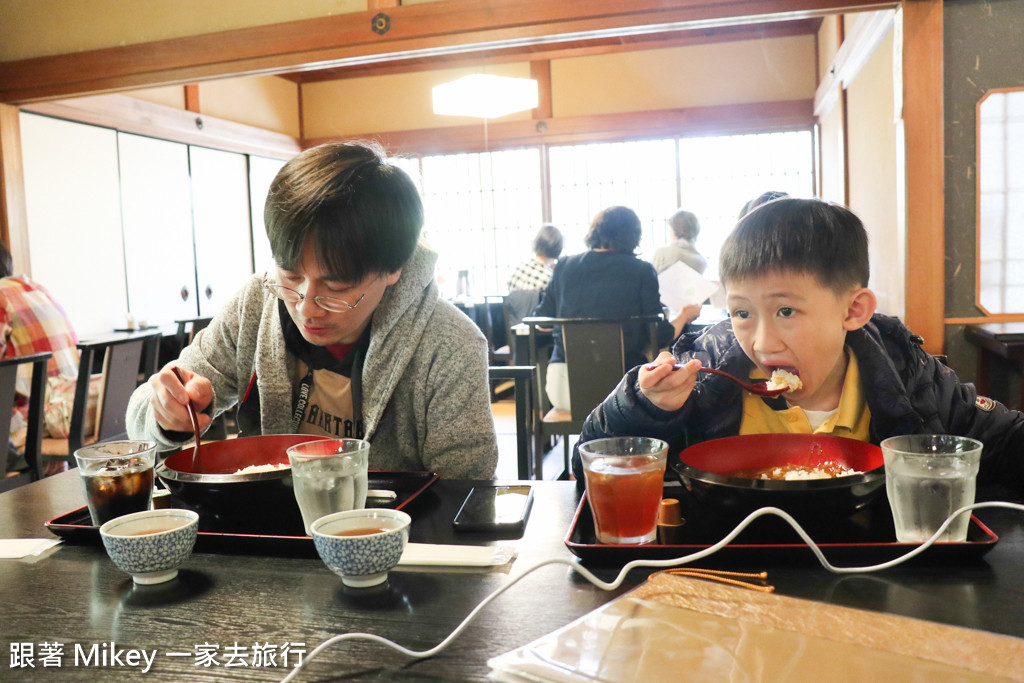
{"x":37,"y":392}
{"x":518,"y":304}
{"x":120,"y":359}
{"x":188,"y":328}
{"x":594,"y":355}
{"x":495,"y":306}
{"x":594,"y":362}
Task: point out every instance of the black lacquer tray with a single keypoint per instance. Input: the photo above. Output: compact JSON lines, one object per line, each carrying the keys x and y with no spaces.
{"x":865,"y":538}
{"x":279,"y":532}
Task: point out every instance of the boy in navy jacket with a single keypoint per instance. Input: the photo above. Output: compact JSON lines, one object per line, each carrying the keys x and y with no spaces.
{"x":796,"y":274}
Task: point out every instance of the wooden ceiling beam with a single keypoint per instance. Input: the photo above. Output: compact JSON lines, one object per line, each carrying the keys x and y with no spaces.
{"x":578,"y":48}
{"x":430,"y":29}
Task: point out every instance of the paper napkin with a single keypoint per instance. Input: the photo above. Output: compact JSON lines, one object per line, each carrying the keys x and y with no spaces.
{"x":428,"y":554}
{"x":16,"y":548}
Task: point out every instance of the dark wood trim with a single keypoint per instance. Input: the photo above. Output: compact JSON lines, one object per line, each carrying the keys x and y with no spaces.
{"x":723,"y":120}
{"x":13,"y":213}
{"x":132,"y":115}
{"x":435,"y":28}
{"x":540,"y":71}
{"x":924,"y":126}
{"x":192,"y":98}
{"x":567,"y":49}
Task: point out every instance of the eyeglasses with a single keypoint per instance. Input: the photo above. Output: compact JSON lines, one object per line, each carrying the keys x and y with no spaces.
{"x":328,"y":303}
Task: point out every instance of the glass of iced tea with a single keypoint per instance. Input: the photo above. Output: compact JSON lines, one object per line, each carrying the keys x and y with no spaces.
{"x":625,"y":479}
{"x":117,"y":477}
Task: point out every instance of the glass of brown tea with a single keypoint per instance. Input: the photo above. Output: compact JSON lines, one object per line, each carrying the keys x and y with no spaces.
{"x":117,"y":477}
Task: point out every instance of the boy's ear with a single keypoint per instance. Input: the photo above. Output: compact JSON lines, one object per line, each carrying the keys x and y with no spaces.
{"x":861,"y":307}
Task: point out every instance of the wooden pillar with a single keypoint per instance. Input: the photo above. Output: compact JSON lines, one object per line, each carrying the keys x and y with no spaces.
{"x":13,"y":219}
{"x":924,"y":128}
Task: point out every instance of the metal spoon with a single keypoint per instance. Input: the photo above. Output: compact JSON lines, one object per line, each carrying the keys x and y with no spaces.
{"x":758,"y":389}
{"x":196,"y":463}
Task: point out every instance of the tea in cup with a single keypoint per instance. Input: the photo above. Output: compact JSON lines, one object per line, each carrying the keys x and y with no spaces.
{"x":362,"y":546}
{"x":152,"y":544}
{"x":625,"y":480}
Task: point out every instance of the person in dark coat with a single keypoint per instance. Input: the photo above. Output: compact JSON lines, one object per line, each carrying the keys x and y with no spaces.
{"x":796,"y":274}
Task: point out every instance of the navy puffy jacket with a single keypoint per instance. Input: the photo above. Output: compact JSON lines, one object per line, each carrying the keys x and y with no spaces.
{"x":908,"y":391}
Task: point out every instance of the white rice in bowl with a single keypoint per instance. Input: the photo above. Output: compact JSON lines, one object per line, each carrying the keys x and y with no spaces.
{"x":253,"y":469}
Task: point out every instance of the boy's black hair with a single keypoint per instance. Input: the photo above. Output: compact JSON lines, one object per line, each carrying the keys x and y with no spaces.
{"x":363,"y":214}
{"x":616,"y":228}
{"x":549,"y":241}
{"x":798,"y":235}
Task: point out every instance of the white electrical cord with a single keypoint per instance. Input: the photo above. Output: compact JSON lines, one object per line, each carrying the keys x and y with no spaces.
{"x":612,"y":585}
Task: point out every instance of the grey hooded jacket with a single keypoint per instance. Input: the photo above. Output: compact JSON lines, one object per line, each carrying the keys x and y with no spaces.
{"x":426,"y":401}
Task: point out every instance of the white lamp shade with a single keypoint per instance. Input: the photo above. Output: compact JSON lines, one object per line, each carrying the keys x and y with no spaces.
{"x":485,"y":96}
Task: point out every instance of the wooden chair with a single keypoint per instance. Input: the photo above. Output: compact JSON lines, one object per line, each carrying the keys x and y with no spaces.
{"x":523,"y":378}
{"x":187,"y":330}
{"x":120,"y":360}
{"x":37,"y":394}
{"x":517,"y":305}
{"x":595,"y":362}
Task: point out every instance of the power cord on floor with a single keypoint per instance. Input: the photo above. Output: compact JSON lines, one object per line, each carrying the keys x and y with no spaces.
{"x":671,"y":562}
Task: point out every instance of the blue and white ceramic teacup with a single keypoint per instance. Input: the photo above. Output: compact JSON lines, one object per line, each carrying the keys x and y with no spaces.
{"x":152,"y":544}
{"x":361,"y":546}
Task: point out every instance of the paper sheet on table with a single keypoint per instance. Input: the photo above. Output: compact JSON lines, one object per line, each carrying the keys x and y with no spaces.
{"x":17,"y":548}
{"x":433,"y":555}
{"x":673,"y":628}
{"x":681,"y":286}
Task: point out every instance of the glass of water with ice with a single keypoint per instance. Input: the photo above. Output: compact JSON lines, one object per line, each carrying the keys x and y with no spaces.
{"x":329,"y":476}
{"x":927,"y":477}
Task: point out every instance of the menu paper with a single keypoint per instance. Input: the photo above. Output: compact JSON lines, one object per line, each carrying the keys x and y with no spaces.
{"x":672,"y":625}
{"x":681,"y":286}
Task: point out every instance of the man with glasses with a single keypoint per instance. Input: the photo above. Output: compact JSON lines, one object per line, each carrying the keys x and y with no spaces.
{"x":345,"y":335}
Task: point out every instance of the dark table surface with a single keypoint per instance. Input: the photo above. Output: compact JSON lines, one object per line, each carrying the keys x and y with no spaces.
{"x":227,"y":603}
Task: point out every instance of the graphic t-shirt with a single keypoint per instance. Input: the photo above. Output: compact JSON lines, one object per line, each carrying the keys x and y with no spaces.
{"x":327,"y":386}
{"x":329,"y":409}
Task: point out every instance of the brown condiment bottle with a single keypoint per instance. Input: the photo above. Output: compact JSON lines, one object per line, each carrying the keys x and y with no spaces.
{"x":670,"y":522}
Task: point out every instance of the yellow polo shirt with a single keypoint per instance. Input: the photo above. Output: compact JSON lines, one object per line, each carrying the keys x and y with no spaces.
{"x":850,"y":420}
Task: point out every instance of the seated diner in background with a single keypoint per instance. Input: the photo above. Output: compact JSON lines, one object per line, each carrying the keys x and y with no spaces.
{"x":610,"y":281}
{"x":350,"y":316}
{"x":685,"y":227}
{"x":32,"y":321}
{"x":796,"y":275}
{"x":535,"y":272}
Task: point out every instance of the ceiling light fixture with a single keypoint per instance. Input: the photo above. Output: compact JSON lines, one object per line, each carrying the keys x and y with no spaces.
{"x":485,"y":96}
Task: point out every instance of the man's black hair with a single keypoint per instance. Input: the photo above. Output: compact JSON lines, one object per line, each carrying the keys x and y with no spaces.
{"x":363,"y":214}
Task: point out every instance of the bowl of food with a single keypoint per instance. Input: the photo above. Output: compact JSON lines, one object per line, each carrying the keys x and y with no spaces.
{"x":807,"y":475}
{"x":152,"y":544}
{"x":238,"y":485}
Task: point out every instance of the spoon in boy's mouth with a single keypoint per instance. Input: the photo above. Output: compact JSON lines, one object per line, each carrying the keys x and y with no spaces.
{"x":760,"y":389}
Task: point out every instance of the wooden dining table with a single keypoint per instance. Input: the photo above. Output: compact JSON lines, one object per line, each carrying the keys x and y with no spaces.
{"x":239,"y":615}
